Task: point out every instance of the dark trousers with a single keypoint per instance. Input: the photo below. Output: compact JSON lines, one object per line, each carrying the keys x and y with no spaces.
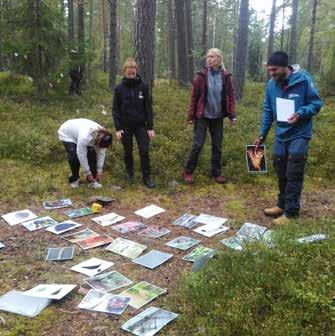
{"x":75,"y":86}
{"x":289,"y":161}
{"x":143,"y":141}
{"x":215,"y":127}
{"x":71,"y":150}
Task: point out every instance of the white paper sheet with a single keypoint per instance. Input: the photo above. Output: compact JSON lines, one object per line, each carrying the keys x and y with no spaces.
{"x":285,"y":109}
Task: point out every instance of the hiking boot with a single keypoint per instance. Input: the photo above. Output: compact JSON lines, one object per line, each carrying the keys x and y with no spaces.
{"x":273,"y":212}
{"x":149,"y":183}
{"x":282,"y":220}
{"x":220,"y":179}
{"x":75,"y":184}
{"x":188,"y":178}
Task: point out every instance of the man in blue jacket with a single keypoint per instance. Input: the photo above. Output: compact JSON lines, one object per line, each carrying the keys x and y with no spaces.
{"x":292,"y":137}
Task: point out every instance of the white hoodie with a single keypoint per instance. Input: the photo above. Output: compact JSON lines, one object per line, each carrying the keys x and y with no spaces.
{"x":79,"y":131}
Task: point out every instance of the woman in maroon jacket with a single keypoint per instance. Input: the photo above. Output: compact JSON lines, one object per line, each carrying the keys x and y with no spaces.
{"x":212,"y":100}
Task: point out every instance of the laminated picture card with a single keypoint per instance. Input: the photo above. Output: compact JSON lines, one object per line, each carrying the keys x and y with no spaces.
{"x":126,"y":248}
{"x":92,"y":267}
{"x":109,"y":219}
{"x":63,"y":227}
{"x":108,"y":282}
{"x":149,"y":211}
{"x":39,"y":223}
{"x":62,"y":203}
{"x":18,"y":217}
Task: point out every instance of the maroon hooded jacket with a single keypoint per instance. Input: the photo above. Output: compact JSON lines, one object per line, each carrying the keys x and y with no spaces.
{"x":199,"y":95}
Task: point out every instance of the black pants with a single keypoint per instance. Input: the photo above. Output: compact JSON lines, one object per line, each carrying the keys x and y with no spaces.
{"x":142,"y":140}
{"x":71,"y":150}
{"x":75,"y":86}
{"x":215,"y":127}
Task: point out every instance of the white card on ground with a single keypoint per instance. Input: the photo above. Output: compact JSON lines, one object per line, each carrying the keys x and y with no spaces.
{"x":2,"y":245}
{"x":149,"y":211}
{"x":63,"y":227}
{"x":285,"y":108}
{"x":18,"y":303}
{"x":153,"y":259}
{"x":209,"y":219}
{"x":18,"y":217}
{"x":186,"y":221}
{"x":108,"y":219}
{"x":126,"y":248}
{"x":92,"y":267}
{"x":53,"y":291}
{"x":149,"y":322}
{"x":209,"y":230}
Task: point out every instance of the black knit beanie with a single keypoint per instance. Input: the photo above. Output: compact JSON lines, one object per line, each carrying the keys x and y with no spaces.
{"x":278,"y":58}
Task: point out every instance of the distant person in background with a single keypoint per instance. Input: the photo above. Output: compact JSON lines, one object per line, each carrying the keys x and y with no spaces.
{"x":292,"y":137}
{"x":212,"y":100}
{"x":133,"y":116}
{"x":85,"y":142}
{"x":76,"y":75}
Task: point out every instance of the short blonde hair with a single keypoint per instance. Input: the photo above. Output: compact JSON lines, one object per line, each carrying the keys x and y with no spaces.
{"x":218,"y":53}
{"x":129,"y":63}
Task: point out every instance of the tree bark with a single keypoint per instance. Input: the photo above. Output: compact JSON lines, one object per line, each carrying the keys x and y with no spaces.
{"x":81,"y":31}
{"x":181,"y":42}
{"x":104,"y":34}
{"x":90,"y":42}
{"x":189,"y":34}
{"x":293,"y":41}
{"x":204,"y":28}
{"x":113,"y":44}
{"x":172,"y":40}
{"x":1,"y":53}
{"x":145,"y":39}
{"x":70,"y":22}
{"x":241,"y":50}
{"x":311,"y":37}
{"x":272,"y":27}
{"x":282,"y":29}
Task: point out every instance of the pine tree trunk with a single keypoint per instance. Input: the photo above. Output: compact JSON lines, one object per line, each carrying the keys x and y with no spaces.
{"x":70,"y":23}
{"x":113,"y":44}
{"x":145,"y":39}
{"x":236,"y":12}
{"x":172,"y":39}
{"x":204,"y":28}
{"x":272,"y":27}
{"x":1,"y":53}
{"x":104,"y":34}
{"x":293,"y":42}
{"x":282,"y":29}
{"x":81,"y":31}
{"x":90,"y":42}
{"x":311,"y":37}
{"x":189,"y":34}
{"x":181,"y":43}
{"x":241,"y":50}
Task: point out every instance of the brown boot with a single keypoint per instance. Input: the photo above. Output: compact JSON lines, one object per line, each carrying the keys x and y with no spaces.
{"x":282,"y":220}
{"x":273,"y":212}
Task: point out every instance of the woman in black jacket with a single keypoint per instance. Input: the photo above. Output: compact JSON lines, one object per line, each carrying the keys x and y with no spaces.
{"x":132,"y":114}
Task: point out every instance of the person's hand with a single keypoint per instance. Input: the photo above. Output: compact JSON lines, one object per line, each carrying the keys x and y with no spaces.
{"x":233,"y":121}
{"x":258,"y":142}
{"x":90,"y":178}
{"x":119,"y":134}
{"x":99,"y":177}
{"x":190,"y":122}
{"x":293,"y":118}
{"x":151,"y":134}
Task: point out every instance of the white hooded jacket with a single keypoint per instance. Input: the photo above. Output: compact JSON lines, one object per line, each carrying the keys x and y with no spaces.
{"x":80,"y":131}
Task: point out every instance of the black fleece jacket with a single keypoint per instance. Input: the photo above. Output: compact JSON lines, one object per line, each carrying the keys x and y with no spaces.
{"x":132,"y":104}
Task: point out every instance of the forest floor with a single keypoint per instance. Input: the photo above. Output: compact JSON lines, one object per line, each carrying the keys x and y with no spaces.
{"x":34,"y":169}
